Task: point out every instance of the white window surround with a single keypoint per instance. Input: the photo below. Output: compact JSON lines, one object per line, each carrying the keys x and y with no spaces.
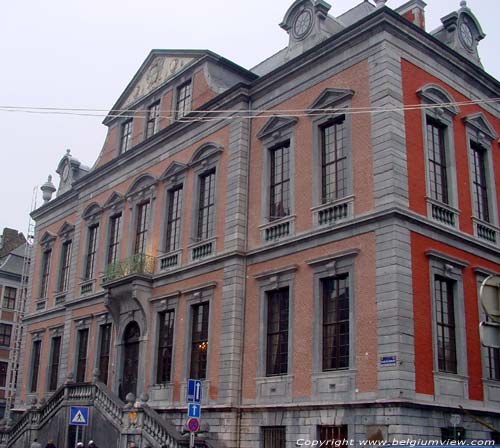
{"x":442,"y":110}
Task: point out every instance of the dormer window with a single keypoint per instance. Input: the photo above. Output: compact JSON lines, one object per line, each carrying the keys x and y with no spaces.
{"x":183,"y":106}
{"x":126,"y":136}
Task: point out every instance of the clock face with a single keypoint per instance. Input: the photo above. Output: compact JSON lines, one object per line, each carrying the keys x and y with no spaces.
{"x":466,"y":35}
{"x":302,"y":23}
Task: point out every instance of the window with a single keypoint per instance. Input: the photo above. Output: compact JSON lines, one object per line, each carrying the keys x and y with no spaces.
{"x":81,"y":362}
{"x":126,"y":136}
{"x":206,"y":206}
{"x":333,"y":161}
{"x":174,"y":219}
{"x":452,"y":433}
{"x":35,"y":365}
{"x":438,"y":176}
{"x":153,"y":119}
{"x":54,"y":362}
{"x":335,"y":322}
{"x":183,"y":100}
{"x":274,"y":436}
{"x":279,"y":186}
{"x":493,"y":362}
{"x":114,"y":238}
{"x":141,"y":228}
{"x":65,"y":265}
{"x":199,"y":341}
{"x":3,"y":373}
{"x":9,"y":298}
{"x":334,"y":433}
{"x":277,"y":332}
{"x":479,"y":186}
{"x":104,"y":352}
{"x":445,"y":324}
{"x":91,"y":251}
{"x":44,"y":283}
{"x":5,"y":333}
{"x":165,"y":346}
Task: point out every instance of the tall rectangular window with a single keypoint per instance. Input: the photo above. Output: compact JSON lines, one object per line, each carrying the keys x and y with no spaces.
{"x":114,"y":238}
{"x":438,"y":177}
{"x":174,"y":219}
{"x":333,"y":433}
{"x":445,"y":323}
{"x":44,"y":281}
{"x":479,"y":186}
{"x":277,"y":332}
{"x":274,"y":437}
{"x":141,"y":228}
{"x":333,"y":161}
{"x":335,"y":322}
{"x":126,"y":136}
{"x":91,"y":251}
{"x":81,"y":362}
{"x":183,"y":100}
{"x":5,"y":334}
{"x":54,"y":362}
{"x":153,"y":119}
{"x":65,"y":265}
{"x":35,"y":365}
{"x":104,"y":352}
{"x":9,"y":297}
{"x":279,"y":186}
{"x":206,"y":206}
{"x":165,"y":346}
{"x":4,"y":366}
{"x":199,"y":341}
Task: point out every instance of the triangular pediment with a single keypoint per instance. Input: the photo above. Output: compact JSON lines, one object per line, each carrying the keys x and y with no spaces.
{"x":173,"y":170}
{"x":141,"y":183}
{"x":329,"y":98}
{"x":47,"y":239}
{"x":114,"y":199}
{"x":276,"y":124}
{"x":481,"y":124}
{"x":65,"y":229}
{"x":159,"y":67}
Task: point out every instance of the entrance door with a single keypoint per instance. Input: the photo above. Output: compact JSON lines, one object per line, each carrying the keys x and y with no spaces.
{"x":130,"y":360}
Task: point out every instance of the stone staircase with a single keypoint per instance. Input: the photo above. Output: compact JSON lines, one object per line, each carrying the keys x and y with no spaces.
{"x":112,"y":423}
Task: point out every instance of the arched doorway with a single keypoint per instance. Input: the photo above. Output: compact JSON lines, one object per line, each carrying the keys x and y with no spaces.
{"x":130,"y":360}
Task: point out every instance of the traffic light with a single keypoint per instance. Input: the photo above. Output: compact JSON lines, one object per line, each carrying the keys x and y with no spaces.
{"x":489,"y":294}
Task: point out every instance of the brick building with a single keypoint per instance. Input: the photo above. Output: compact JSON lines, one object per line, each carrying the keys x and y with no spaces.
{"x":12,"y":258}
{"x":306,"y":237}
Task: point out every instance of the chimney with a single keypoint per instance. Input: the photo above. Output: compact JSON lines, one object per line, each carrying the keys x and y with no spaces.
{"x":414,"y":11}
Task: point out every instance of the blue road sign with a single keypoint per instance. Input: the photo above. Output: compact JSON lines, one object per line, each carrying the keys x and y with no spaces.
{"x":193,"y":391}
{"x":79,"y":415}
{"x":194,"y":410}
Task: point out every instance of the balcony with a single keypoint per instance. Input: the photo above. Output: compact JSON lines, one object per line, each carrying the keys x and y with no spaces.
{"x":140,"y":264}
{"x":202,"y":250}
{"x":278,"y":229}
{"x":334,"y":212}
{"x":485,"y":231}
{"x":171,"y":260}
{"x":442,"y":213}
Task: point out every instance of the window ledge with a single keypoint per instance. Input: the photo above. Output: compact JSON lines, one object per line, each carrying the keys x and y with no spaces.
{"x":278,"y":229}
{"x":60,"y":297}
{"x":442,"y":213}
{"x":170,"y":260}
{"x":87,"y":287}
{"x":202,"y":250}
{"x":485,"y":231}
{"x":333,"y":212}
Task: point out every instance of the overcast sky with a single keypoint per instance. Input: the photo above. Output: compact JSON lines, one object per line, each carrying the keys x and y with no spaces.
{"x":82,"y":54}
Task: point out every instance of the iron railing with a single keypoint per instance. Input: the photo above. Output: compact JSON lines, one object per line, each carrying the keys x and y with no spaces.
{"x":136,"y":264}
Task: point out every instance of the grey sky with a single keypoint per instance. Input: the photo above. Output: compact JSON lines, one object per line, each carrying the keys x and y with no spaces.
{"x":82,"y":54}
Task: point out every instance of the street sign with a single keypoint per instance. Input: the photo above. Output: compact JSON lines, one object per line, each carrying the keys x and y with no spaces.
{"x":79,"y":415}
{"x":489,"y":333}
{"x":194,"y":410}
{"x":193,"y":391}
{"x":193,"y":424}
{"x":490,"y":297}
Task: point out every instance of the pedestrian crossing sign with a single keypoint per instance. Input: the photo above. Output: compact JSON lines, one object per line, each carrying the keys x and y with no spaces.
{"x":79,"y":415}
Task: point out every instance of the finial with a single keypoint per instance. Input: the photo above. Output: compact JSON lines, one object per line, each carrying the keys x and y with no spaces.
{"x":48,"y":189}
{"x":68,"y":152}
{"x":463,"y":4}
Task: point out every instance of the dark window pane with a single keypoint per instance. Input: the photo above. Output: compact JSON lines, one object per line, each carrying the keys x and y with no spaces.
{"x":279,"y":201}
{"x":199,"y":341}
{"x":438,"y":177}
{"x":479,"y":187}
{"x":334,"y":433}
{"x":153,"y":119}
{"x":165,"y":346}
{"x":174,"y":219}
{"x":448,"y":434}
{"x":104,"y":352}
{"x":9,"y":297}
{"x":274,"y":437}
{"x":183,"y":100}
{"x":126,"y":136}
{"x":206,"y":206}
{"x":65,"y":265}
{"x":277,"y":332}
{"x":114,"y":238}
{"x":141,"y":232}
{"x":81,"y":365}
{"x":54,"y":362}
{"x":3,"y":373}
{"x":91,"y":251}
{"x":445,"y":323}
{"x":44,"y":283}
{"x":5,"y":333}
{"x":35,"y":365}
{"x":333,"y":161}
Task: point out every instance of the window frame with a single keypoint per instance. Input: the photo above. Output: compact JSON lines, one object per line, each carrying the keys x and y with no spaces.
{"x":9,"y":301}
{"x":179,"y":206}
{"x":280,"y":434}
{"x":152,"y":125}
{"x":54,"y":374}
{"x":159,"y":346}
{"x":201,"y":370}
{"x":205,"y":232}
{"x":65,"y":266}
{"x":91,"y":251}
{"x":80,"y":366}
{"x":5,"y":336}
{"x":104,"y":376}
{"x":142,"y":226}
{"x":36,"y":351}
{"x":45,"y":273}
{"x":179,"y":99}
{"x":113,"y":245}
{"x":3,"y":377}
{"x":126,"y":133}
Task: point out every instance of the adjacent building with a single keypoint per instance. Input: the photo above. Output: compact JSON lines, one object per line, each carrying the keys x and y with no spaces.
{"x":307,"y":237}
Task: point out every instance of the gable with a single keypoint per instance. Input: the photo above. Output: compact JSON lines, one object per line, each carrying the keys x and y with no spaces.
{"x":329,"y":98}
{"x":114,"y":199}
{"x":173,"y":169}
{"x":275,"y":124}
{"x":65,"y":229}
{"x":47,"y":239}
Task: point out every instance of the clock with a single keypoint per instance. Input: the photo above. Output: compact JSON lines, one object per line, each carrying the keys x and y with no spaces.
{"x":302,"y":24}
{"x":466,"y":35}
